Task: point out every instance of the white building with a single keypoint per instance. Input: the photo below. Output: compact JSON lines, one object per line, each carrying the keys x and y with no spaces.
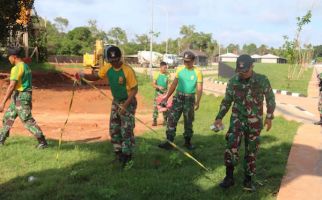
{"x":270,"y":58}
{"x":228,"y":57}
{"x":257,"y":57}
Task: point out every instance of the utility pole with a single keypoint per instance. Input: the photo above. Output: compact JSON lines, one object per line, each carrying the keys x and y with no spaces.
{"x":151,"y":39}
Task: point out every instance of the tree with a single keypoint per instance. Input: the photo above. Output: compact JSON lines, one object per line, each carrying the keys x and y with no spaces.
{"x":250,"y":48}
{"x":117,"y":36}
{"x":292,"y":48}
{"x":142,"y":40}
{"x":187,"y":32}
{"x":11,"y":11}
{"x":317,"y":51}
{"x":234,"y":48}
{"x":262,"y":49}
{"x":78,"y":41}
{"x":96,"y":32}
{"x":61,"y":23}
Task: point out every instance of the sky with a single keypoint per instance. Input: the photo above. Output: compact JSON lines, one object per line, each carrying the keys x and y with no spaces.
{"x":229,"y":21}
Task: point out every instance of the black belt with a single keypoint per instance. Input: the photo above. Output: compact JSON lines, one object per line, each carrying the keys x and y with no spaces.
{"x":17,"y":91}
{"x":186,"y":95}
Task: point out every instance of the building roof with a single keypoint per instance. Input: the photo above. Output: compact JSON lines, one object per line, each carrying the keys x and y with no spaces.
{"x":228,"y":55}
{"x":195,"y":52}
{"x":256,"y":56}
{"x":270,"y":56}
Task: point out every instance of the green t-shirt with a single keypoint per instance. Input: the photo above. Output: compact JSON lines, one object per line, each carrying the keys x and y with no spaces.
{"x":22,"y":74}
{"x":161,"y":79}
{"x":121,"y":80}
{"x":188,"y":79}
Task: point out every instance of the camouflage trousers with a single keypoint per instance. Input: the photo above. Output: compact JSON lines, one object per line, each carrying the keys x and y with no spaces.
{"x":21,"y":105}
{"x":320,"y":104}
{"x":155,"y":107}
{"x":121,"y":127}
{"x":181,"y":104}
{"x":251,"y":133}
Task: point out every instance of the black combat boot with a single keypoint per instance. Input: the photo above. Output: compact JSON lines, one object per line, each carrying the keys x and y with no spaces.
{"x":154,"y":123}
{"x":165,"y":120}
{"x":2,"y":139}
{"x":125,"y":159}
{"x":229,"y":178}
{"x":318,"y":122}
{"x":117,"y":157}
{"x":166,"y":145}
{"x":248,"y":184}
{"x":188,"y":144}
{"x":42,"y":143}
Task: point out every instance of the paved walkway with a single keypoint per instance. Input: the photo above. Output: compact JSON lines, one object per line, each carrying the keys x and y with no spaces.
{"x":303,"y":177}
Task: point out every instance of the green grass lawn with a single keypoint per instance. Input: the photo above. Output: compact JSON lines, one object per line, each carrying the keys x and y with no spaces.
{"x":35,"y":67}
{"x":277,"y":74}
{"x":83,"y":170}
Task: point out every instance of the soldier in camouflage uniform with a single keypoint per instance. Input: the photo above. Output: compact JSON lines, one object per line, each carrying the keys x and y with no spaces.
{"x":320,"y":99}
{"x":123,"y":84}
{"x":247,"y":90}
{"x":20,"y":90}
{"x":160,"y":83}
{"x":189,"y":81}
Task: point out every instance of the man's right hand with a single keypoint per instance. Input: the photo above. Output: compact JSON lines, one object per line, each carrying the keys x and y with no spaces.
{"x":165,"y":99}
{"x":1,"y":107}
{"x":79,"y":76}
{"x":218,"y":123}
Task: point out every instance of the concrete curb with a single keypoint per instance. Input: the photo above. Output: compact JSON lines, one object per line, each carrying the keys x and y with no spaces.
{"x":276,"y":91}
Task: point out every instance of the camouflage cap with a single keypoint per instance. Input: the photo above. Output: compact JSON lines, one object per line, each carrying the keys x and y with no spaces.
{"x":243,"y":63}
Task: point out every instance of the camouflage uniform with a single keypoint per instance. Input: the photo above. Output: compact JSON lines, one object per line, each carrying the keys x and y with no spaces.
{"x":121,"y":127}
{"x":21,"y":105}
{"x":155,"y":106}
{"x":319,"y":76}
{"x":182,"y":103}
{"x":320,"y":103}
{"x":320,"y":99}
{"x":246,"y":118}
{"x":121,"y":81}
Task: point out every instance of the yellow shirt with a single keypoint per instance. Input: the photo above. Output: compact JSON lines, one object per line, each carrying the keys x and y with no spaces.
{"x":121,"y":80}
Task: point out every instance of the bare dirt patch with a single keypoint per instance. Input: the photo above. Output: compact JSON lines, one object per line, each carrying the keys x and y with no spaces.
{"x":89,"y":118}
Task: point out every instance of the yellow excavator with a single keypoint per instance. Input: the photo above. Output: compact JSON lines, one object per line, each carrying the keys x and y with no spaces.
{"x":95,"y":60}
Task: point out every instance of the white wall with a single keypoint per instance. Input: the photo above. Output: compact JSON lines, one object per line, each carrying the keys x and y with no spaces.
{"x":228,"y":59}
{"x":269,"y":60}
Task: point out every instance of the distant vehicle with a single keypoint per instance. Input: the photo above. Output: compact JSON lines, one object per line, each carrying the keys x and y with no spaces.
{"x":144,"y":58}
{"x":171,"y":59}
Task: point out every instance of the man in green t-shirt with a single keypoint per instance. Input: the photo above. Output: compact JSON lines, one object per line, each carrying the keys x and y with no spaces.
{"x":124,"y":86}
{"x":188,"y":82}
{"x":20,"y":90}
{"x":160,"y":83}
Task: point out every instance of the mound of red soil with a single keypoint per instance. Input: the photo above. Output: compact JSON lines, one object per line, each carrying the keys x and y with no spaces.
{"x":89,"y":117}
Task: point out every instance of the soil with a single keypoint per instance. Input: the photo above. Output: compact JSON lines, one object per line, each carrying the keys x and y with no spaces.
{"x":89,"y":116}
